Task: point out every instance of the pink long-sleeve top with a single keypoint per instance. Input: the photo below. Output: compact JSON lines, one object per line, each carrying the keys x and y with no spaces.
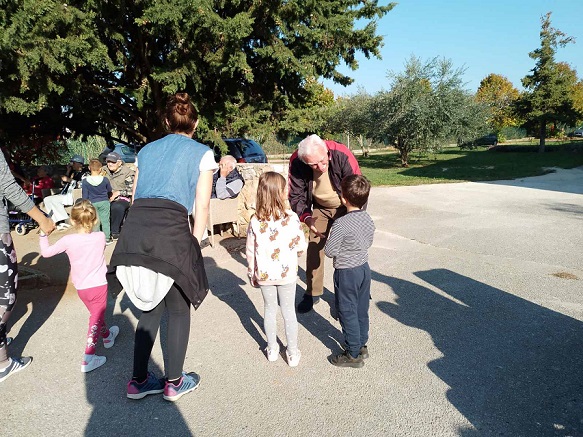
{"x":86,"y":255}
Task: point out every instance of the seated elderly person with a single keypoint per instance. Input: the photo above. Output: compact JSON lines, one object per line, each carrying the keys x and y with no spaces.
{"x":121,"y":178}
{"x":55,"y":205}
{"x":227,"y":182}
{"x":42,"y":181}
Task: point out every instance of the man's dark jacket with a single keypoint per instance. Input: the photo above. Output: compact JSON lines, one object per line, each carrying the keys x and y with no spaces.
{"x":342,"y":163}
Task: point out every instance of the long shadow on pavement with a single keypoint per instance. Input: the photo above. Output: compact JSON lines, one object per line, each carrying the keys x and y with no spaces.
{"x":228,"y":288}
{"x":513,"y":367}
{"x":318,"y":326}
{"x":40,"y":300}
{"x":113,"y":413}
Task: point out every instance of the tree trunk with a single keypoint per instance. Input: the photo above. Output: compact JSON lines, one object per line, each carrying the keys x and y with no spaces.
{"x":542,"y":135}
{"x":403,"y":152}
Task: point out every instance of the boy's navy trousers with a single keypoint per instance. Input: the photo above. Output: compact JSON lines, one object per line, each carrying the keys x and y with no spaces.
{"x":352,"y":295}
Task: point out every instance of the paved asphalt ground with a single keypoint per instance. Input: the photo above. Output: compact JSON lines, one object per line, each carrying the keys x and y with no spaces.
{"x":476,"y":329}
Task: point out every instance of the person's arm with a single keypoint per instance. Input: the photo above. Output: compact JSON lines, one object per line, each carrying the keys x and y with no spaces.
{"x":333,"y":244}
{"x":202,"y":201}
{"x":226,"y":190}
{"x":303,"y":243}
{"x":67,"y":177}
{"x":298,"y":187}
{"x":46,"y":224}
{"x":46,"y":250}
{"x":84,"y":190}
{"x":15,"y":194}
{"x":250,"y":255}
{"x":107,"y":187}
{"x":135,"y":185}
{"x":129,"y":184}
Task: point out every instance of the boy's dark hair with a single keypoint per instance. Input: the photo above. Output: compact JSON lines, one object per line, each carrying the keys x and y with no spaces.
{"x":355,"y":189}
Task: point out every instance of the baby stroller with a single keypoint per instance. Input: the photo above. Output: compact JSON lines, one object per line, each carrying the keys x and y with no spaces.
{"x":20,"y":221}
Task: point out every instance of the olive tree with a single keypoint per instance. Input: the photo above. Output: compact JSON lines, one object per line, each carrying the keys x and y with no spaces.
{"x":425,"y":107}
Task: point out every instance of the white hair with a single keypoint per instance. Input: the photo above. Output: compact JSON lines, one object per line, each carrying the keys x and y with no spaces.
{"x":229,"y":159}
{"x":309,"y":145}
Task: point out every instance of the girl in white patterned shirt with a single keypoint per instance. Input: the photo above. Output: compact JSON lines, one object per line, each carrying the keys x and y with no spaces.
{"x":275,"y":238}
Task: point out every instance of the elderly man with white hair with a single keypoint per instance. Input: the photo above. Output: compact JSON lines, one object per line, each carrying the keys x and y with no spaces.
{"x":227,"y":182}
{"x":315,"y":172}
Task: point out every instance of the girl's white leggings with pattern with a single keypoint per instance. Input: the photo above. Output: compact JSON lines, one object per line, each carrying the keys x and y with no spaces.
{"x":287,"y":297}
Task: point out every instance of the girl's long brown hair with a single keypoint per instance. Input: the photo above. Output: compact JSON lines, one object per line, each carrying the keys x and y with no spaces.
{"x":271,"y":202}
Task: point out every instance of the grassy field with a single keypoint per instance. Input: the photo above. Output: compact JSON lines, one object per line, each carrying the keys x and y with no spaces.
{"x":455,"y":165}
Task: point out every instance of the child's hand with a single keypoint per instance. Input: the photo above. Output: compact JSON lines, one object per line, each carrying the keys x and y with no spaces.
{"x":46,"y":226}
{"x":252,"y":280}
{"x":311,"y":223}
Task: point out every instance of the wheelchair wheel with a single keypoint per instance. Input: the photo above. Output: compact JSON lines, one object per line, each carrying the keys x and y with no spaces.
{"x":21,"y":229}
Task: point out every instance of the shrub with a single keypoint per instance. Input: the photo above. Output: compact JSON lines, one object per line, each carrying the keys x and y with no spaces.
{"x":511,"y":133}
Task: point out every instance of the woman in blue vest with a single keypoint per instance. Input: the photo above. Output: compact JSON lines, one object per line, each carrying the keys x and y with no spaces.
{"x":157,"y":257}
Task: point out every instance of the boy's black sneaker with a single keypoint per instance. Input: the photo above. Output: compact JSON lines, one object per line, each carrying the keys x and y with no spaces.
{"x":347,"y":360}
{"x":363,"y":352}
{"x":307,"y":303}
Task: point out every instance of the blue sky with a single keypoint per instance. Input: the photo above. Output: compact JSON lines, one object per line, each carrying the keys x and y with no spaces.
{"x":482,"y":36}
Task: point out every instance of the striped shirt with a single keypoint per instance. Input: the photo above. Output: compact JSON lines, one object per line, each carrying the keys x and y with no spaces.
{"x":349,"y":239}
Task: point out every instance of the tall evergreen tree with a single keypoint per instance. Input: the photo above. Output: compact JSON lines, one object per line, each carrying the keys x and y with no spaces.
{"x":548,"y":98}
{"x":106,"y":66}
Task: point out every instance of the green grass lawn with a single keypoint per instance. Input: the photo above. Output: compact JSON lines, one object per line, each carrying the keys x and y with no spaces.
{"x":455,"y":165}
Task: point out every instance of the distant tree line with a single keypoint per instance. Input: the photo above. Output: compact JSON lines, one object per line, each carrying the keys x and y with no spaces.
{"x":85,"y":69}
{"x":426,"y":106}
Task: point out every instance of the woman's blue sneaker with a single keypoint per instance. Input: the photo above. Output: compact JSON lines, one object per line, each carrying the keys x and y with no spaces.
{"x":188,"y":382}
{"x":151,"y":386}
{"x":16,"y":365}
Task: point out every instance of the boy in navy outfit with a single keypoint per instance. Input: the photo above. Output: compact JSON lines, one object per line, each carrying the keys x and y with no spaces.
{"x":348,"y":243}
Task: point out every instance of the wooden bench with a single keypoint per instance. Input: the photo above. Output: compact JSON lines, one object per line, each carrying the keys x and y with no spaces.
{"x":223,"y":211}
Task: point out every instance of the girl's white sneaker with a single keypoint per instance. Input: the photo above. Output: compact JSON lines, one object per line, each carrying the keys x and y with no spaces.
{"x":293,"y":359}
{"x":272,"y":354}
{"x":93,"y":363}
{"x":110,"y":341}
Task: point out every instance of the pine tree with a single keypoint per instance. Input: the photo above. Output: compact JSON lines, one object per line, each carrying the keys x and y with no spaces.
{"x":548,"y":98}
{"x":105,"y":67}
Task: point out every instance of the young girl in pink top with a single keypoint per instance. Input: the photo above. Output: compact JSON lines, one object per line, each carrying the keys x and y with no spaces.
{"x":275,"y":238}
{"x":85,"y":250}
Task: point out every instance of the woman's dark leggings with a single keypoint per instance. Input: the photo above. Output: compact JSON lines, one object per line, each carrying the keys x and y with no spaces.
{"x":178,"y":307}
